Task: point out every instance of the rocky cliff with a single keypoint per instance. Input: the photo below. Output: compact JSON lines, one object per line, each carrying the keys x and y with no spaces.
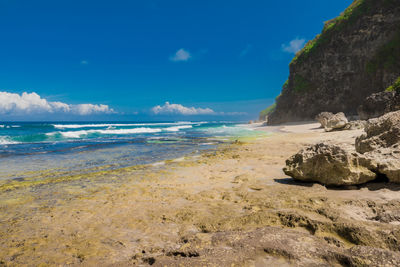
{"x":357,"y":54}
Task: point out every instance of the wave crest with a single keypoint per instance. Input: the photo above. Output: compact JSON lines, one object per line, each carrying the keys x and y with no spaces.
{"x":79,"y":134}
{"x":104,"y":125}
{"x":6,"y":140}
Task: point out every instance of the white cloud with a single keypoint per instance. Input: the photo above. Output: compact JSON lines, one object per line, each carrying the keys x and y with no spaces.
{"x":32,"y":103}
{"x":168,"y":108}
{"x":294,"y":46}
{"x":181,"y":55}
{"x":87,"y":109}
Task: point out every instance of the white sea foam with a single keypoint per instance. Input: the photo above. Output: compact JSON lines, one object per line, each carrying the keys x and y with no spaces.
{"x":112,"y":130}
{"x":230,"y":130}
{"x":78,"y":134}
{"x":5,"y":140}
{"x":129,"y":131}
{"x":102,"y":125}
{"x":81,"y":133}
{"x":75,"y":126}
{"x":207,"y":144}
{"x":177,"y":128}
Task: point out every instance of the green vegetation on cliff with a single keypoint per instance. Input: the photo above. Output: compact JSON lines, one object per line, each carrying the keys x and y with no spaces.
{"x":264,"y":114}
{"x":387,"y":57}
{"x":395,"y":86}
{"x":301,"y":84}
{"x":355,"y":55}
{"x":351,"y":14}
{"x":356,"y":10}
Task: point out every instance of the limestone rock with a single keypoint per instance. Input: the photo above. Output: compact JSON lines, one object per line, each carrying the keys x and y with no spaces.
{"x":357,"y":124}
{"x":375,"y":105}
{"x":369,"y":256}
{"x":280,"y":247}
{"x":382,"y":143}
{"x":394,"y":105}
{"x":383,"y":132}
{"x":337,"y":121}
{"x":331,"y":165}
{"x":323,"y":118}
{"x":331,"y":121}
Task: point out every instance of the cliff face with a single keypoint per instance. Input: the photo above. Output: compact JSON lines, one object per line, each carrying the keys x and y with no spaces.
{"x":357,"y":54}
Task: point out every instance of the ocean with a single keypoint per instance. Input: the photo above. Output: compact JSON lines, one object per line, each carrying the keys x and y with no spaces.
{"x":29,"y":148}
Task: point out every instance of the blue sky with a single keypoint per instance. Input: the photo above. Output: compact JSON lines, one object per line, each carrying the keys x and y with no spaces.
{"x":227,"y":56}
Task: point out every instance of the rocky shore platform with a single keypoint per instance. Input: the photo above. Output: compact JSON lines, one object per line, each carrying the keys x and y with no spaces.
{"x":230,"y":207}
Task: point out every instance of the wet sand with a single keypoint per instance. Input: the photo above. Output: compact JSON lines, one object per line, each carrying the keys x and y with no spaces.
{"x":228,"y":207}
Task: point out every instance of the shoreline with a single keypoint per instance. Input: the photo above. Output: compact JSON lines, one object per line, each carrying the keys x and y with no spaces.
{"x":193,"y":211}
{"x":59,"y":175}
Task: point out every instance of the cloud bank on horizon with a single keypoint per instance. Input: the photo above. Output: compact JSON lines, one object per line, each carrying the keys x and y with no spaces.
{"x":32,"y":103}
{"x":294,"y":45}
{"x":178,"y":109}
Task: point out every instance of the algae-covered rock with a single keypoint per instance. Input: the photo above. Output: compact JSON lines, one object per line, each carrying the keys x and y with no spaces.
{"x":274,"y":246}
{"x":369,"y":256}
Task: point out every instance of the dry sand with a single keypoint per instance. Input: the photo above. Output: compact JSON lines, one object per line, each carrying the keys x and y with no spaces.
{"x":229,"y":207}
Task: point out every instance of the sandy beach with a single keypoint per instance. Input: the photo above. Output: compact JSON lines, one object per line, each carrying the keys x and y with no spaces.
{"x":232,"y":206}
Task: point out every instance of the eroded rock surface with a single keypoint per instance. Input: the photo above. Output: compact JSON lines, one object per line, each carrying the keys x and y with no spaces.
{"x":323,"y":118}
{"x":338,"y":121}
{"x":357,"y":124}
{"x":382,"y":143}
{"x":383,"y":132}
{"x":376,"y":105}
{"x":330,"y":164}
{"x":273,"y":246}
{"x":377,"y":152}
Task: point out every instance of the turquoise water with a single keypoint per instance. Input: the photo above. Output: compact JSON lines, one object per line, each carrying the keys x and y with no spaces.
{"x":51,"y":146}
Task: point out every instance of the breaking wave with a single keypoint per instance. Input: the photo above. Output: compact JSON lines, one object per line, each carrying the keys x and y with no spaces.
{"x":104,"y":125}
{"x":79,"y":134}
{"x":6,"y":140}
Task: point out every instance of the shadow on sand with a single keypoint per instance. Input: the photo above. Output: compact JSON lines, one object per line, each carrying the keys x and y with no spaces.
{"x":377,"y":184}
